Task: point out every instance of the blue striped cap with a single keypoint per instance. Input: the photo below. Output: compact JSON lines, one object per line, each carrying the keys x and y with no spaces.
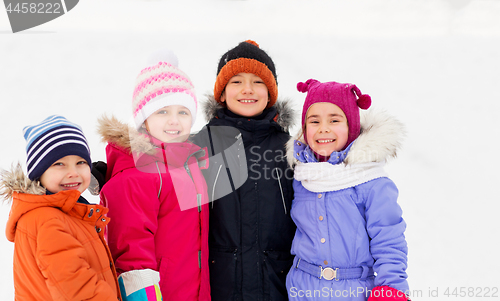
{"x":51,"y":140}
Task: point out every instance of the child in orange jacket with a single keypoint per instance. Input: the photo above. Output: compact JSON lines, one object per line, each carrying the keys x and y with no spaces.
{"x":60,"y":252}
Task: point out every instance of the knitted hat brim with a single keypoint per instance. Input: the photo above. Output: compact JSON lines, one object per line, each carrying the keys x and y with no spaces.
{"x":164,"y":100}
{"x":52,"y":139}
{"x":246,"y":65}
{"x":58,"y":151}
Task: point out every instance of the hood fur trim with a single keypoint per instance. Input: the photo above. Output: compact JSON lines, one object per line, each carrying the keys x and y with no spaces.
{"x":16,"y":180}
{"x":380,"y":139}
{"x":121,"y":134}
{"x":286,"y":114}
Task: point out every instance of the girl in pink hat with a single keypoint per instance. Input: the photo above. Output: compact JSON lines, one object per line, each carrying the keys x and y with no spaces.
{"x":156,"y":192}
{"x":349,"y":242}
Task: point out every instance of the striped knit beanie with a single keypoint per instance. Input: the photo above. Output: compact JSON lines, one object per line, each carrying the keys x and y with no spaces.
{"x":247,"y":57}
{"x":51,"y":140}
{"x":162,"y":84}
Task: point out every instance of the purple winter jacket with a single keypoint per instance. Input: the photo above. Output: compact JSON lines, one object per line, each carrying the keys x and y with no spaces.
{"x":351,"y":219}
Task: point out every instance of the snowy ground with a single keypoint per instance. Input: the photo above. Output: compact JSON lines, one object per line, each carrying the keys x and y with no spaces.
{"x":432,"y":63}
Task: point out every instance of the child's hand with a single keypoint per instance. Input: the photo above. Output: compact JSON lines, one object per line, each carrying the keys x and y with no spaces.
{"x":386,"y":293}
{"x":98,"y":177}
{"x":140,"y":285}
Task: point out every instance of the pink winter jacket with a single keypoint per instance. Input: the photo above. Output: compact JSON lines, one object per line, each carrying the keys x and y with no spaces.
{"x":157,"y":199}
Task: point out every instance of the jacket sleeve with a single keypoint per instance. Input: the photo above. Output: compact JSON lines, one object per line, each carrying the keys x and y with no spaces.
{"x":64,"y":263}
{"x":133,"y":208}
{"x":385,"y":226}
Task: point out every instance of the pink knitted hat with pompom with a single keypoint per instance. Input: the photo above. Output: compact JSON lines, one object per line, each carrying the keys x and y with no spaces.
{"x":162,"y":84}
{"x":346,"y":96}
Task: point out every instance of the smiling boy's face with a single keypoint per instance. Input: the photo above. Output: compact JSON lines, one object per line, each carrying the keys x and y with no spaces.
{"x":68,"y":173}
{"x":246,"y":94}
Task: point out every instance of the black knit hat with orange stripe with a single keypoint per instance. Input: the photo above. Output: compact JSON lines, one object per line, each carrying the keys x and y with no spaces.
{"x":247,"y":57}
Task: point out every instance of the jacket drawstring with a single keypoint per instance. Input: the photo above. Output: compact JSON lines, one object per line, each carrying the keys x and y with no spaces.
{"x":281,"y":189}
{"x":186,"y":167}
{"x":215,"y":183}
{"x":198,"y":195}
{"x":161,"y":180}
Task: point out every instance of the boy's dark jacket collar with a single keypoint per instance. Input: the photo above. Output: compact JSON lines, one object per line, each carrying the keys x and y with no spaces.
{"x":281,"y":113}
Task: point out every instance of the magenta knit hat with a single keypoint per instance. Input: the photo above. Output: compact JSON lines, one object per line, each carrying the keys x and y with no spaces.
{"x":346,"y":96}
{"x":162,"y":84}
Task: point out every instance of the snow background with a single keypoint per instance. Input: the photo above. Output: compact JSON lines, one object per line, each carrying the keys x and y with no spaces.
{"x":432,"y":63}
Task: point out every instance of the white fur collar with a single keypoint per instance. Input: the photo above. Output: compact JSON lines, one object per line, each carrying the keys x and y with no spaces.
{"x":16,"y":180}
{"x":380,"y":139}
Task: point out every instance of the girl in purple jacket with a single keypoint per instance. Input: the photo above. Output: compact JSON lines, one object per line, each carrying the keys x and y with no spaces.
{"x":156,"y":192}
{"x":349,"y":243}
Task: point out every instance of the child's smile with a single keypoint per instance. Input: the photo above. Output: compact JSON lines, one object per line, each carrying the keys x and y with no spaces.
{"x":173,"y":132}
{"x":173,"y":135}
{"x":71,"y":185}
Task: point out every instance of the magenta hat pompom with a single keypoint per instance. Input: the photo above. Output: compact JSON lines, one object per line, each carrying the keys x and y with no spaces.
{"x":347,"y":97}
{"x":364,"y":100}
{"x":302,"y":87}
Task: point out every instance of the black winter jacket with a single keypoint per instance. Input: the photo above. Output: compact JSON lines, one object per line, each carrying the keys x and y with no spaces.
{"x":251,"y":232}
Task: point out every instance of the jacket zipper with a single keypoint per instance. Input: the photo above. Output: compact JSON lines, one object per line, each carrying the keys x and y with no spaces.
{"x":259,"y":262}
{"x":198,"y":195}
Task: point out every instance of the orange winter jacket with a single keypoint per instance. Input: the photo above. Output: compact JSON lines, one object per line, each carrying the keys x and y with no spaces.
{"x":60,"y":252}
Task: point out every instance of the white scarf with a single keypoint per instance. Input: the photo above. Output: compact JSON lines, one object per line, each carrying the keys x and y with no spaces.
{"x":324,"y":176}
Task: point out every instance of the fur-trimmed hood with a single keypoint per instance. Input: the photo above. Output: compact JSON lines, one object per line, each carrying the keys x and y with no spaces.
{"x":27,"y":195}
{"x":380,"y":139}
{"x":39,"y":224}
{"x":286,"y":114}
{"x":16,"y":180}
{"x":121,"y":134}
{"x":128,"y":148}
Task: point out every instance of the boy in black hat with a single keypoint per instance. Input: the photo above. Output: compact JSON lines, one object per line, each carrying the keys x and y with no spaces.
{"x":249,"y":183}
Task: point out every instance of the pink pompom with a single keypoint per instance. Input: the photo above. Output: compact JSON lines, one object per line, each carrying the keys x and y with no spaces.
{"x":364,"y":101}
{"x":302,"y":87}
